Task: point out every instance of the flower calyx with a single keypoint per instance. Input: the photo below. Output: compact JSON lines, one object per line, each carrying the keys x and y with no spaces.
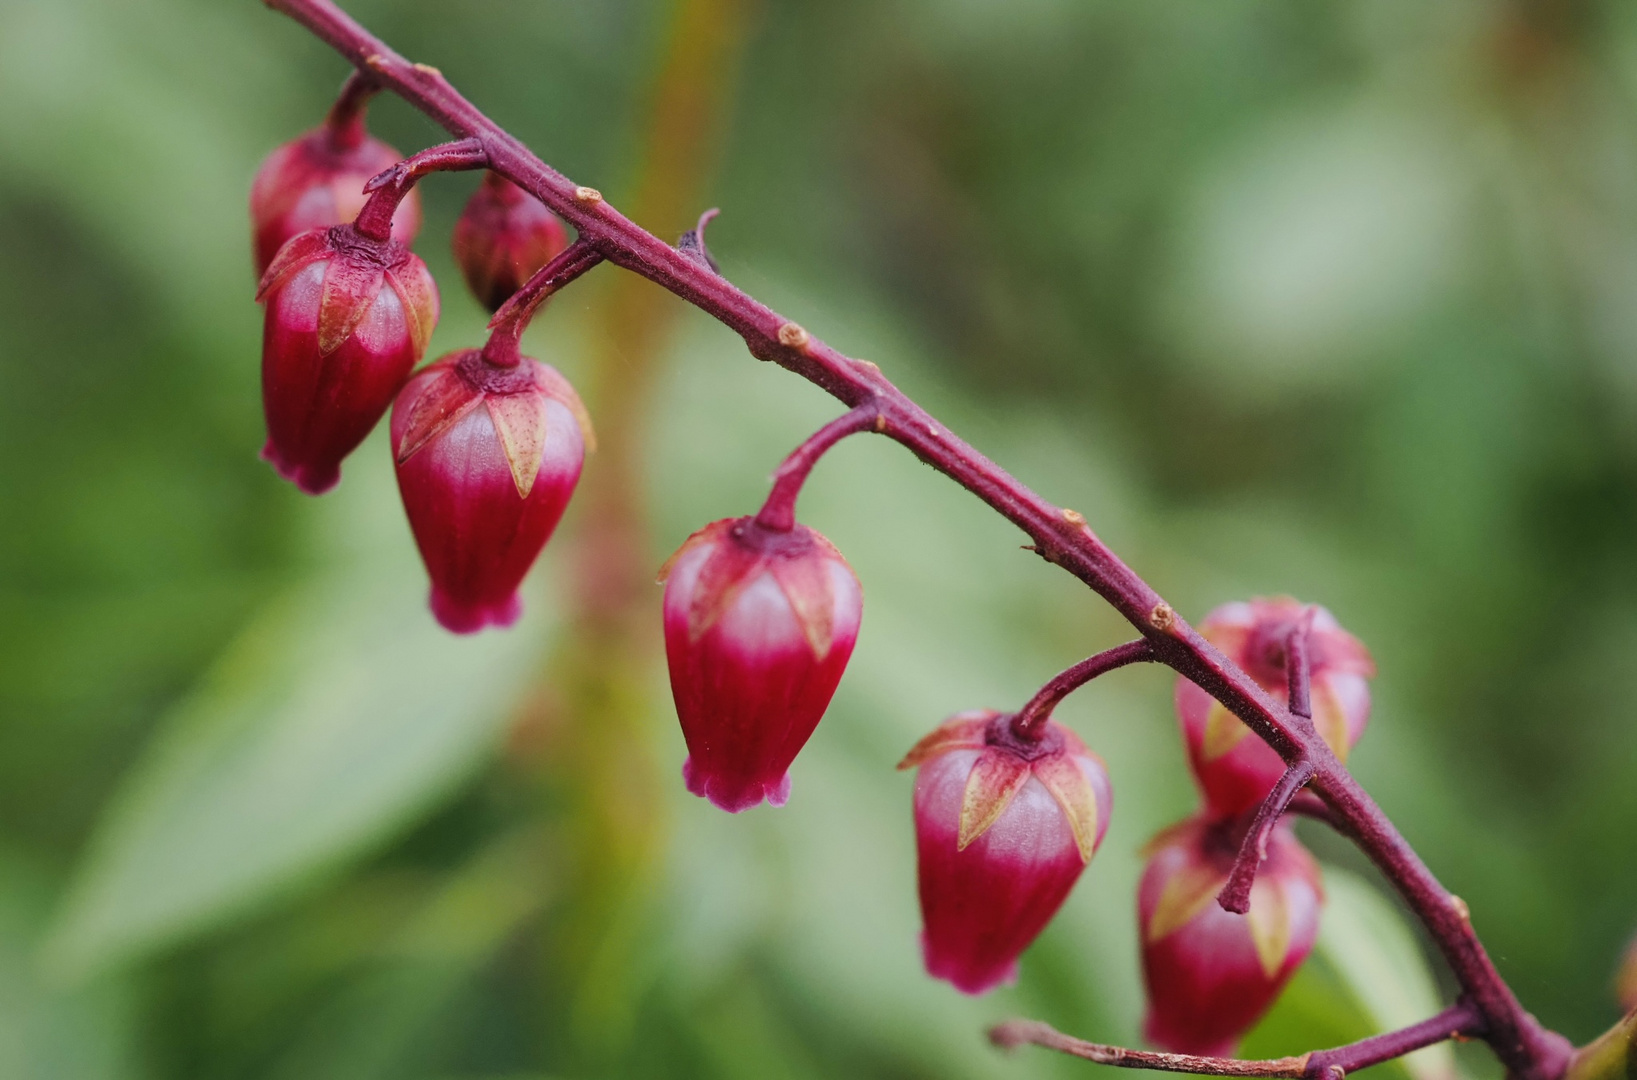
{"x":358,"y":268}
{"x":741,"y":551}
{"x":516,"y":398}
{"x":1005,"y":764}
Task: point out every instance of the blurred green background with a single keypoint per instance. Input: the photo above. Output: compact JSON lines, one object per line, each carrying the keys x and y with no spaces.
{"x":1334,"y":300}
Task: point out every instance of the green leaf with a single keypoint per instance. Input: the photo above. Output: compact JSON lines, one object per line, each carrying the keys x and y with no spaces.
{"x":391,"y":1016}
{"x":86,"y":1032}
{"x":337,"y":716}
{"x":1366,"y":941}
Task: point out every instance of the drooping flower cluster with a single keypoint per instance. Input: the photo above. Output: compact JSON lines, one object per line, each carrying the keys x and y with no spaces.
{"x":1210,"y":973}
{"x":760,"y":613}
{"x":487,"y":444}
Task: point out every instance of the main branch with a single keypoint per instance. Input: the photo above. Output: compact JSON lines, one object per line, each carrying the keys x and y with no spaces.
{"x":1060,"y":536}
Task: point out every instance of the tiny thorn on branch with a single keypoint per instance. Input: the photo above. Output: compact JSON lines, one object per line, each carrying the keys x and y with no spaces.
{"x":793,"y":336}
{"x":1235,"y":895}
{"x":692,"y":243}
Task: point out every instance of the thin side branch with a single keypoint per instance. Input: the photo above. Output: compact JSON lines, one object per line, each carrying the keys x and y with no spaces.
{"x":1030,"y":720}
{"x":388,"y":189}
{"x":1308,"y":805}
{"x":1235,"y":895}
{"x":1458,"y":1021}
{"x":346,"y":120}
{"x":504,"y":347}
{"x":779,"y":511}
{"x":1015,"y":1033}
{"x":1299,"y":667}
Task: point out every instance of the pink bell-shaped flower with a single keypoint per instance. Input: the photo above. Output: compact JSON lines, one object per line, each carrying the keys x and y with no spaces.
{"x":1003,"y":828}
{"x":347,"y":319}
{"x":503,"y":236}
{"x":759,"y":625}
{"x":1211,"y":974}
{"x":487,"y":458}
{"x":316,"y":181}
{"x":1234,"y":768}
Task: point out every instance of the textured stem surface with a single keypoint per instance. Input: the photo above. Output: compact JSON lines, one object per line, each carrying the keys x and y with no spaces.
{"x":1299,"y":668}
{"x":503,"y":348}
{"x":1030,"y":720}
{"x":1460,"y":1020}
{"x":779,"y":511}
{"x":1235,"y":895}
{"x":1060,"y":536}
{"x":388,"y":189}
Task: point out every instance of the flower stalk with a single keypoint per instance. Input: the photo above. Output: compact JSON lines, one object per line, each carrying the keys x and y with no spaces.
{"x":1030,"y":720}
{"x":1529,"y":1051}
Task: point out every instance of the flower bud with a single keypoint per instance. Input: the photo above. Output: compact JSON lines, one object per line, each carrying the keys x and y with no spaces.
{"x":347,"y":320}
{"x":759,"y":624}
{"x":487,"y":458}
{"x":1211,"y":974}
{"x":317,"y":181}
{"x":1234,"y":767}
{"x":502,"y":238}
{"x":1003,"y":828}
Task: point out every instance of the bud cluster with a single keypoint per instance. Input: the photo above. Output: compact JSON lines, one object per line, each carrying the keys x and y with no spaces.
{"x":1212,"y":973}
{"x":760,"y":614}
{"x":487,"y":444}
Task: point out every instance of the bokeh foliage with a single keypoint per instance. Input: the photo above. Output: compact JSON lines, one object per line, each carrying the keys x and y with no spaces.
{"x":1333,"y":300}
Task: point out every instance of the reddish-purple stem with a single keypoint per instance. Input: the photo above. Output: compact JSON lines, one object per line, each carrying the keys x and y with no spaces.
{"x":1298,"y":669}
{"x":1235,"y":895}
{"x":1030,"y":721}
{"x":345,"y":123}
{"x":1062,"y":537}
{"x":388,"y":189}
{"x":779,"y":511}
{"x":1460,"y":1020}
{"x":504,"y":347}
